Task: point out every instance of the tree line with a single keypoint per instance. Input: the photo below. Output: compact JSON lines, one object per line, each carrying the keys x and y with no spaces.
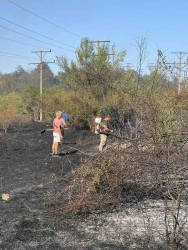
{"x":95,"y":82}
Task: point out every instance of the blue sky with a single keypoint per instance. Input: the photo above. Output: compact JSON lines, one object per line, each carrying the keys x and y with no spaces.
{"x":162,"y":22}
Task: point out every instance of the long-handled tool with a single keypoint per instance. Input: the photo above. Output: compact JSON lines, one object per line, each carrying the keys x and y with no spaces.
{"x":44,"y":130}
{"x":49,"y":129}
{"x":112,"y":134}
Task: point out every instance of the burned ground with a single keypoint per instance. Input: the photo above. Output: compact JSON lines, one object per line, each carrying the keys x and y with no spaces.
{"x":33,"y":179}
{"x":29,"y":174}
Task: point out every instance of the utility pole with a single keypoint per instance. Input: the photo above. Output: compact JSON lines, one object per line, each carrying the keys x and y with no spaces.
{"x":128,"y":65}
{"x":41,"y":54}
{"x":186,"y":72}
{"x":98,"y":44}
{"x":152,"y":66}
{"x":98,"y":47}
{"x":180,"y":56}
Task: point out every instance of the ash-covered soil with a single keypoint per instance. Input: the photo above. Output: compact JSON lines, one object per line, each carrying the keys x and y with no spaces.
{"x":30,"y":175}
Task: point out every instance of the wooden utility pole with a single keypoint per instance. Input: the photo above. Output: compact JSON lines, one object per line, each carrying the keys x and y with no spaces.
{"x":180,"y":55}
{"x":41,"y":54}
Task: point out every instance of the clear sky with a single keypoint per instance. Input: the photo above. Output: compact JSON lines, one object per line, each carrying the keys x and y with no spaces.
{"x":162,"y":22}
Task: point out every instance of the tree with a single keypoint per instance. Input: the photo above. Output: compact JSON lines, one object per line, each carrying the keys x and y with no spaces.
{"x":142,"y":53}
{"x":60,"y":79}
{"x":96,"y":71}
{"x":31,"y":101}
{"x":19,"y":78}
{"x":9,"y":110}
{"x":47,"y":76}
{"x":21,"y":75}
{"x":6,"y":85}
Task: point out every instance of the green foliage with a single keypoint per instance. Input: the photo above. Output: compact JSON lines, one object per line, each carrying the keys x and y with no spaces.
{"x":31,"y":101}
{"x":9,"y":110}
{"x":20,"y":78}
{"x":80,"y":105}
{"x":96,"y":83}
{"x":97,"y":71}
{"x":6,"y":85}
{"x":47,"y":76}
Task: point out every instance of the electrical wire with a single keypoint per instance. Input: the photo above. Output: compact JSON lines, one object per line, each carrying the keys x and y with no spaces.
{"x":21,"y":42}
{"x":35,"y":38}
{"x":15,"y":41}
{"x":19,"y":6}
{"x":35,"y":32}
{"x":14,"y":55}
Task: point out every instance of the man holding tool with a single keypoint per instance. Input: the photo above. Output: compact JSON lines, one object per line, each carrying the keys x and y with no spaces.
{"x":103,"y":131}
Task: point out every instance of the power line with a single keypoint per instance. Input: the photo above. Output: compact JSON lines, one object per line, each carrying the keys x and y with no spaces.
{"x":98,"y":44}
{"x":32,"y":45}
{"x":128,"y":65}
{"x":19,"y":6}
{"x":180,"y":56}
{"x":41,"y":54}
{"x":35,"y":38}
{"x":172,"y":66}
{"x":14,"y":55}
{"x":8,"y":39}
{"x":98,"y":47}
{"x":36,"y":32}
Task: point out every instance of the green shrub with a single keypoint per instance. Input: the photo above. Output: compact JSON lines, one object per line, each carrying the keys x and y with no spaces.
{"x":9,"y":110}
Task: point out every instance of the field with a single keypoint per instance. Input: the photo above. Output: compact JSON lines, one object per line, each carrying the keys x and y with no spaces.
{"x":32,"y":178}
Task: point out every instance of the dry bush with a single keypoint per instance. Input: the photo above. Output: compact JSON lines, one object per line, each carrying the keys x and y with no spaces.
{"x":123,"y":175}
{"x":131,"y":175}
{"x":104,"y":182}
{"x":127,"y":175}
